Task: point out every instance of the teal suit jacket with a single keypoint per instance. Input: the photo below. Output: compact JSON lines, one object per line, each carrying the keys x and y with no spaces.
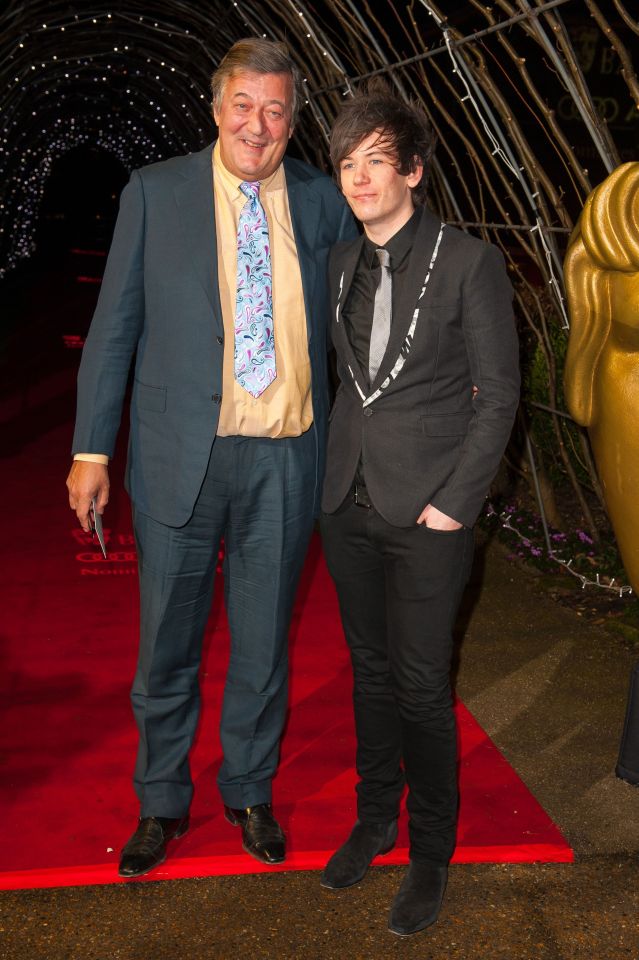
{"x":160,"y":303}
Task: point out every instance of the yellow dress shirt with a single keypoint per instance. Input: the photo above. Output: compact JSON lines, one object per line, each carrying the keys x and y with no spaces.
{"x":285,"y":408}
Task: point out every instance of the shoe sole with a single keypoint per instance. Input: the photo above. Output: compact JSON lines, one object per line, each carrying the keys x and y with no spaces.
{"x":345,"y":886}
{"x":142,"y":873}
{"x":255,"y":856}
{"x":404,"y":934}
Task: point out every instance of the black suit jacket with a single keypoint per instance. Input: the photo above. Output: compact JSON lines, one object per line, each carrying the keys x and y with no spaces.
{"x":422,"y":437}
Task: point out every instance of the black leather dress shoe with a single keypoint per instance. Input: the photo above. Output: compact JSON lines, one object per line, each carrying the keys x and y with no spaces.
{"x":419,"y":899}
{"x":147,"y":847}
{"x":349,"y":864}
{"x":262,"y":835}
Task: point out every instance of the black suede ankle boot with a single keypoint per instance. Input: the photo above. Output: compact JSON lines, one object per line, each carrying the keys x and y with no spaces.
{"x":349,"y":864}
{"x":419,"y":898}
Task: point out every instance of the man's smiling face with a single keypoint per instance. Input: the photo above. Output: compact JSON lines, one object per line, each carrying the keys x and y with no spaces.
{"x":254,"y":121}
{"x":376,"y":192}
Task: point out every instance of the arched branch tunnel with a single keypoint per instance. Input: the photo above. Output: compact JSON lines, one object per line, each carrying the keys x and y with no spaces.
{"x":509,"y":89}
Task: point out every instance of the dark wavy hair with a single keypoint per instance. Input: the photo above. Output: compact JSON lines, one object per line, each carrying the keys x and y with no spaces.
{"x":403,"y":127}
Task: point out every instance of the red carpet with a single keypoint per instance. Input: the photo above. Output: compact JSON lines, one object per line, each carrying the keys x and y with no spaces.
{"x":68,"y":739}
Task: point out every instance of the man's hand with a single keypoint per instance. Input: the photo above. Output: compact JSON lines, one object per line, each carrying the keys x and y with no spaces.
{"x":87,"y":480}
{"x":434,"y":518}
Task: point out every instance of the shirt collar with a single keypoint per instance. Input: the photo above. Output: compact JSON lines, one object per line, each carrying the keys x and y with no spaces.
{"x":398,"y":246}
{"x":231,"y":183}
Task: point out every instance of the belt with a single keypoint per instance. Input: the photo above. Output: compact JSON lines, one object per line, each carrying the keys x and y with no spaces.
{"x":360,"y":496}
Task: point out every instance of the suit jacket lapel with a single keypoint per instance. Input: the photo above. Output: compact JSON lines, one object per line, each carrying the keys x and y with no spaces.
{"x":345,"y":271}
{"x":194,"y":198}
{"x":305,"y":209}
{"x":419,"y":258}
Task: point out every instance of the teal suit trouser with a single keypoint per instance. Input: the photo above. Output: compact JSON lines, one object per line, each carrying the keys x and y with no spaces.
{"x":258,"y":496}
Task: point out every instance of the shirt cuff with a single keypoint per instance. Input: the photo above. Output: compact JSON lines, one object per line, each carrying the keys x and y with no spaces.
{"x":92,"y":457}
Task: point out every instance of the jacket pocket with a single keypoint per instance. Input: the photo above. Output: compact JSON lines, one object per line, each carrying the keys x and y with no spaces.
{"x":148,"y":397}
{"x":442,"y":303}
{"x":446,"y":424}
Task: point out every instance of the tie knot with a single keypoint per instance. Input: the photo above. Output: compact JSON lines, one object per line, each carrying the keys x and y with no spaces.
{"x":383,"y":256}
{"x":250,"y":190}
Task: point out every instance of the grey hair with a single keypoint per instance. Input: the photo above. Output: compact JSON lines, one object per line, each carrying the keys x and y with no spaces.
{"x":257,"y":55}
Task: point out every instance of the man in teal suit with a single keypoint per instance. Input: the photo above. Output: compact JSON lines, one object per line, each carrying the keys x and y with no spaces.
{"x":197,"y":272}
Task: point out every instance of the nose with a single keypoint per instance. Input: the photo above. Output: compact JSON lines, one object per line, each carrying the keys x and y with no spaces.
{"x":256,"y":124}
{"x":360,"y":175}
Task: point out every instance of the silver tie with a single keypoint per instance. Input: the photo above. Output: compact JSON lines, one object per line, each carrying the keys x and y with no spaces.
{"x":382,"y":310}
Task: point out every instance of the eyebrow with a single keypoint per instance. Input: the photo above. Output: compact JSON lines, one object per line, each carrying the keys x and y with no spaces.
{"x":268,"y":103}
{"x":369,"y":151}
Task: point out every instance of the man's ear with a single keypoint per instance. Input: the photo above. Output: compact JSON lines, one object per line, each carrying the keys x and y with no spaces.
{"x":416,"y":173}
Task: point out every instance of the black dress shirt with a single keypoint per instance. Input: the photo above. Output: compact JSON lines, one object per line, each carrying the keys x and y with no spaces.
{"x":357,"y":312}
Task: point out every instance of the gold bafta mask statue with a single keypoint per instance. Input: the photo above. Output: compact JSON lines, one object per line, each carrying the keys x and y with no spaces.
{"x":602,"y":364}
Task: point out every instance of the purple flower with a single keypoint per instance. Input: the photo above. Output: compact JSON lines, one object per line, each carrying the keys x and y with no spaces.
{"x":584,"y":537}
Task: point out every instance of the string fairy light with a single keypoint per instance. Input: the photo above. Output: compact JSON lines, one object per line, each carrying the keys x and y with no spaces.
{"x":601,"y":581}
{"x":47,"y":74}
{"x":60,"y":62}
{"x":181,"y":46}
{"x":501,"y":149}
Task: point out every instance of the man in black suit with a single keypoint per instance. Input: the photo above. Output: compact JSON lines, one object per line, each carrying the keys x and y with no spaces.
{"x":427,"y":357}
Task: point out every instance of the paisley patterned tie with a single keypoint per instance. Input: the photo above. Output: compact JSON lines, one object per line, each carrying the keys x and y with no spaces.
{"x":254,"y":344}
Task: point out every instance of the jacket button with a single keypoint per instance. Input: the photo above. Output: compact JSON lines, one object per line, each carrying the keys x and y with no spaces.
{"x":216,"y":398}
{"x":220,"y":340}
{"x":368,"y":412}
